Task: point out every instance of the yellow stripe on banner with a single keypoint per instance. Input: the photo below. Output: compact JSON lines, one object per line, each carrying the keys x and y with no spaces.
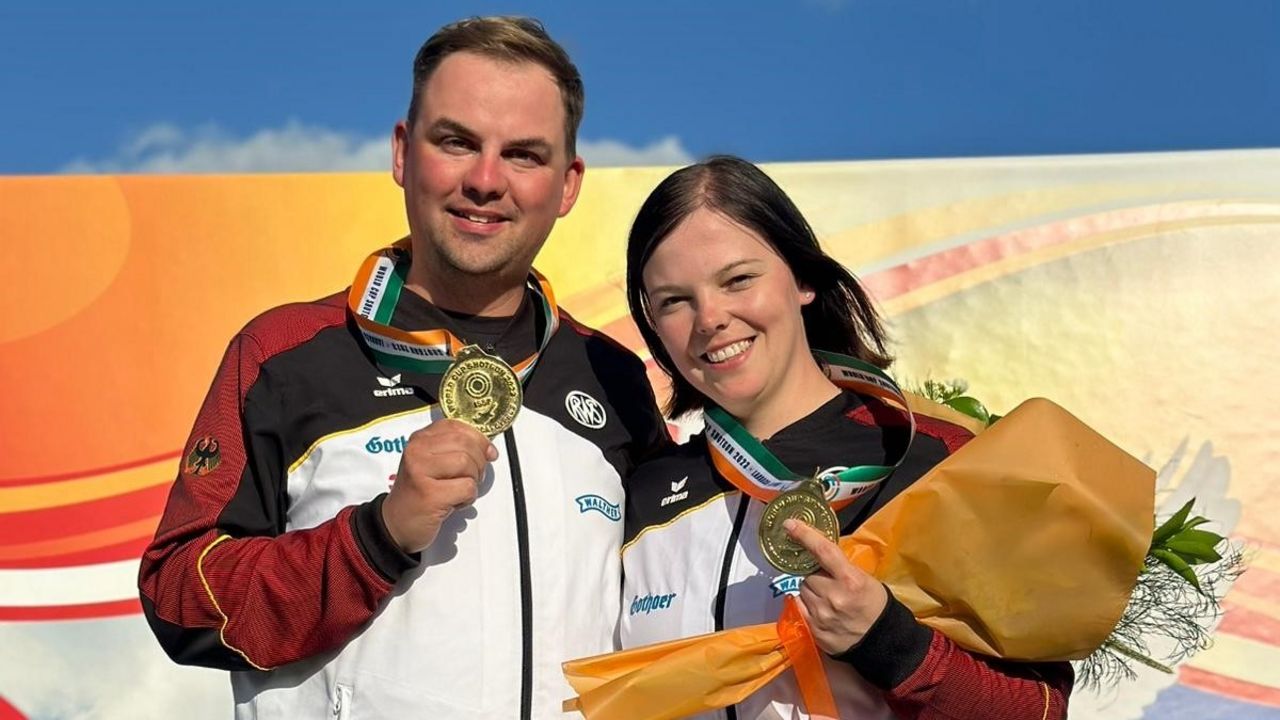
{"x":86,"y":489}
{"x":1253,"y":603}
{"x":1261,"y":559}
{"x":1241,"y":659}
{"x":1041,"y":256}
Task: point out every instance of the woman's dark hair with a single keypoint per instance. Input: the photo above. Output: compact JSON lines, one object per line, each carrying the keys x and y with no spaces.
{"x":841,"y":317}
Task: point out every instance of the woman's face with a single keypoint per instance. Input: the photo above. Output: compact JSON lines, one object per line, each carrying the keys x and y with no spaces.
{"x":727,"y":309}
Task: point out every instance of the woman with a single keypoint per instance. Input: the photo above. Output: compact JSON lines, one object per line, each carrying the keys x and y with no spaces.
{"x":733,"y":295}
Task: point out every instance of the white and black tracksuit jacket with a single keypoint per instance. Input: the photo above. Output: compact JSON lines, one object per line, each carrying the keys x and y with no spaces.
{"x":272,"y":561}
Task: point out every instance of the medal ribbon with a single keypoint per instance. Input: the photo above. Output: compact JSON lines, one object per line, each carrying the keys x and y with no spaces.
{"x":372,"y":301}
{"x":749,"y":465}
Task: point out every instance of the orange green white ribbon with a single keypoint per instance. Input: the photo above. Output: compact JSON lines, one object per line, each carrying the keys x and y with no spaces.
{"x":749,"y":465}
{"x":372,"y":301}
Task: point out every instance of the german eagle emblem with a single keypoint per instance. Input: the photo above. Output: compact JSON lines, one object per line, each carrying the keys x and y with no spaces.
{"x":204,"y":457}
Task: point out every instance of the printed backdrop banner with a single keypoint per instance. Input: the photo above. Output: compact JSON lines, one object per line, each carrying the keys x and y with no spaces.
{"x":1138,"y":291}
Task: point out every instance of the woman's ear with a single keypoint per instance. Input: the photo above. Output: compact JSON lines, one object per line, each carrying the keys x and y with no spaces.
{"x":806,"y":295}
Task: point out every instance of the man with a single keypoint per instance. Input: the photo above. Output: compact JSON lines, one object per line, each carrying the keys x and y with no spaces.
{"x":332,"y":537}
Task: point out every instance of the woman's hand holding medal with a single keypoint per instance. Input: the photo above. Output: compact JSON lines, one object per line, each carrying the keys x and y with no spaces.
{"x":840,"y":602}
{"x":440,"y":472}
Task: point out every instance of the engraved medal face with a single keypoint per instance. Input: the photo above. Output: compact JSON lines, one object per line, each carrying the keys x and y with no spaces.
{"x":481,"y":390}
{"x":807,"y":504}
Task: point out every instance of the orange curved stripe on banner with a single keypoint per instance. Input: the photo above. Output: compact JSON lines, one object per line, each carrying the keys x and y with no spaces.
{"x":70,"y":492}
{"x":1249,"y":623}
{"x":84,"y":541}
{"x":53,"y":523}
{"x":91,"y":472}
{"x":1230,"y":687}
{"x":920,"y":282}
{"x":127,"y":550}
{"x":111,"y":608}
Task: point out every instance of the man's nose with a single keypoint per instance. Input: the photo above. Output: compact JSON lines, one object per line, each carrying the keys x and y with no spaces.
{"x":485,"y":179}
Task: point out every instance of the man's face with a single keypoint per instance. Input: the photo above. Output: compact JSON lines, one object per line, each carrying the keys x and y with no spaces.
{"x":485,"y":168}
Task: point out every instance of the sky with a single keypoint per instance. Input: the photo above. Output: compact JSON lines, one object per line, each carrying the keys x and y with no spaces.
{"x":313,"y":86}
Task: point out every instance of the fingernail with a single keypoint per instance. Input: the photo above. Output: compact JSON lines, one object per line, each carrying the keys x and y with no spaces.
{"x":789,"y":524}
{"x":492,"y":453}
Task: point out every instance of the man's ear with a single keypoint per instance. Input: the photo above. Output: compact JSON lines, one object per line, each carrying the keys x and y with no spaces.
{"x":399,"y":146}
{"x":572,"y":184}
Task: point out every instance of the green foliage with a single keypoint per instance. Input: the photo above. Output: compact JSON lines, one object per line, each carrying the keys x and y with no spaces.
{"x":952,"y":394}
{"x":1180,"y":546}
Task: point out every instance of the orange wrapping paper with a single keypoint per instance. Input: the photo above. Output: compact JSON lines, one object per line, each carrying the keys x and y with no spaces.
{"x":1025,"y":544}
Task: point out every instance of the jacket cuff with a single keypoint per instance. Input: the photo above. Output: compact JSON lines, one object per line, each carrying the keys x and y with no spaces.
{"x":892,"y":649}
{"x":382,"y":552}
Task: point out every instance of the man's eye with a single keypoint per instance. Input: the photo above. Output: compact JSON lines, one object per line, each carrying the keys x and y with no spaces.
{"x":525,"y":157}
{"x":455,"y":144}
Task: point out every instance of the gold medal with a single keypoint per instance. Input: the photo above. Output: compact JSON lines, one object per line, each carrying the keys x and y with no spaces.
{"x":806,"y":503}
{"x":481,"y":390}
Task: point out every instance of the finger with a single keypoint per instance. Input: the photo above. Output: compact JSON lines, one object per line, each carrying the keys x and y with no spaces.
{"x":458,"y":492}
{"x":828,"y":554}
{"x":456,"y":464}
{"x":466,"y":436}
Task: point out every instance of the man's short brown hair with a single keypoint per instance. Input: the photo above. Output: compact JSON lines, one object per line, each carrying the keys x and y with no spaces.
{"x":513,"y":39}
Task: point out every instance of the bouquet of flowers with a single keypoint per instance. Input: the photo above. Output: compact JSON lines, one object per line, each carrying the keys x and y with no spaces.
{"x":1179,"y":589}
{"x":1035,"y":556}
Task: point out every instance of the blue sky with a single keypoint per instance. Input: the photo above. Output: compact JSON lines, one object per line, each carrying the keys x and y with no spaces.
{"x":203,"y":86}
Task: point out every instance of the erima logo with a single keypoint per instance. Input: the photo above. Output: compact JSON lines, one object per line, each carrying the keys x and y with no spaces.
{"x":649,"y":603}
{"x":678,"y":492}
{"x":600,"y":505}
{"x":389,"y":387}
{"x":385,"y":445}
{"x":785,"y":585}
{"x":585,"y":409}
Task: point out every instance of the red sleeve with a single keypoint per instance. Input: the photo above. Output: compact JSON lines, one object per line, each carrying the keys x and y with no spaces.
{"x":952,"y":684}
{"x":926,"y":676}
{"x":221,"y":584}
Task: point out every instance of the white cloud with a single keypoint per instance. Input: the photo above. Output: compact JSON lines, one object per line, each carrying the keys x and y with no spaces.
{"x":165,"y":148}
{"x":104,"y":670}
{"x":295,"y":147}
{"x":611,"y":153}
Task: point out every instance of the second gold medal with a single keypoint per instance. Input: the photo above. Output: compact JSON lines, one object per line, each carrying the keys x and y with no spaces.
{"x":806,"y":503}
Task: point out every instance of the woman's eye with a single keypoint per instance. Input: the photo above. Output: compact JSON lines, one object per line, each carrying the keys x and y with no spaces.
{"x":738,"y":281}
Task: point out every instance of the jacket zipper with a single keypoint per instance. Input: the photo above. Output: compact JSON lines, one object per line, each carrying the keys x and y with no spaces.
{"x":526,"y":585}
{"x":731,"y":712}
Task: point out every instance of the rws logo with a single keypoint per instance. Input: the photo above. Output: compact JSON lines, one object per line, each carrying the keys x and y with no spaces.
{"x":600,"y":505}
{"x":586,"y":410}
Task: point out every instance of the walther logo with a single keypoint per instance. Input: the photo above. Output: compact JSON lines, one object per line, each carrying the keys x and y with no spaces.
{"x":385,"y":445}
{"x":785,"y":585}
{"x":600,"y":505}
